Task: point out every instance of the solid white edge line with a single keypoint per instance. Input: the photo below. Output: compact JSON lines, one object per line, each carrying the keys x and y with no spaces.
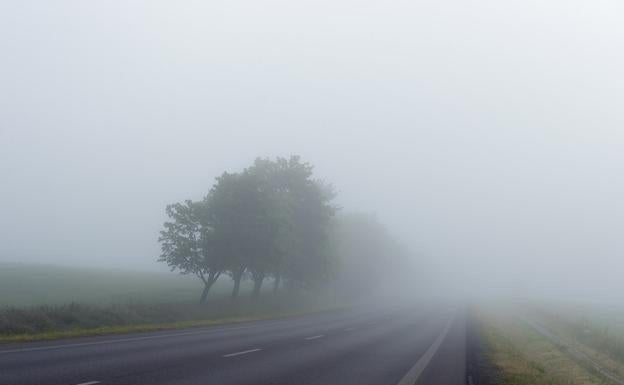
{"x":412,"y":376}
{"x":89,"y":383}
{"x":241,"y":353}
{"x":315,"y":337}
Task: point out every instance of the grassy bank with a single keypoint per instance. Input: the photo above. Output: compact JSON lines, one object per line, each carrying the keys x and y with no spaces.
{"x":599,"y":328}
{"x":522,"y":356}
{"x":591,"y":329}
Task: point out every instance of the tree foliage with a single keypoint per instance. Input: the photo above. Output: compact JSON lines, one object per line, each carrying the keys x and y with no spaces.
{"x":188,"y":243}
{"x":367,"y":255}
{"x":270,"y":220}
{"x":275,"y":220}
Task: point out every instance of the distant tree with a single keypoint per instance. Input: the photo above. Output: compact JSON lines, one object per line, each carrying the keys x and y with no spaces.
{"x":188,"y":244}
{"x":274,"y":222}
{"x":229,"y":205}
{"x":246,"y":218}
{"x":367,"y":255}
{"x":270,"y":220}
{"x":310,"y":212}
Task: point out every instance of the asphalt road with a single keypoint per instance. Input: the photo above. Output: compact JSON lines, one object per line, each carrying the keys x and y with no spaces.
{"x":394,"y":345}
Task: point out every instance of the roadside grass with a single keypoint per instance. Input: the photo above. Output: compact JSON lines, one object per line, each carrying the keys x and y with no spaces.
{"x":523,"y":357}
{"x":39,"y":302}
{"x":150,"y":327}
{"x":596,"y":331}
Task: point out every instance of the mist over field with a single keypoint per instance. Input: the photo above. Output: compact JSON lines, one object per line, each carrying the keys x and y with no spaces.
{"x":487,"y":139}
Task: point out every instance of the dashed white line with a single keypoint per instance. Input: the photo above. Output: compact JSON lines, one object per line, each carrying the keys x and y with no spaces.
{"x":315,"y":337}
{"x":89,"y":383}
{"x":241,"y":353}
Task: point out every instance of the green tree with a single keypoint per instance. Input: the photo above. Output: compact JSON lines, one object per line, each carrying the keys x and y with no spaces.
{"x":274,"y":213}
{"x":229,"y":203}
{"x":270,"y":220}
{"x":367,"y":256}
{"x":188,"y":244}
{"x":308,"y":260}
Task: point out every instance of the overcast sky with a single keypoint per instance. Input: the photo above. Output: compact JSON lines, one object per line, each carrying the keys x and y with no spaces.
{"x":489,"y":135}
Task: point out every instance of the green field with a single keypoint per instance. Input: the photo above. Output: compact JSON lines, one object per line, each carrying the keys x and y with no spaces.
{"x":27,"y":285}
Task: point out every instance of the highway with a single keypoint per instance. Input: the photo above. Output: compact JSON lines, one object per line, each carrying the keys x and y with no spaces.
{"x":393,"y":345}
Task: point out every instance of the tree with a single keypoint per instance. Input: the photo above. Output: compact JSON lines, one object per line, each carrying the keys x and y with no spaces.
{"x":367,"y":255}
{"x":241,"y":213}
{"x":311,"y":212}
{"x":225,"y":211}
{"x":188,"y":244}
{"x":274,"y":222}
{"x":270,"y":220}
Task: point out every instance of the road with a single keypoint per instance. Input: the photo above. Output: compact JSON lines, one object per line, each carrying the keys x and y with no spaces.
{"x":394,"y":345}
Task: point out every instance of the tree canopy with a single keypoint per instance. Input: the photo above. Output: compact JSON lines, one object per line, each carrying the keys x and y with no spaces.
{"x":274,"y":220}
{"x":270,"y":220}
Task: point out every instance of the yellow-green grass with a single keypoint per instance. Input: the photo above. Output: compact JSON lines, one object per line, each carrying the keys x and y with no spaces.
{"x":591,"y":329}
{"x":524,"y":357}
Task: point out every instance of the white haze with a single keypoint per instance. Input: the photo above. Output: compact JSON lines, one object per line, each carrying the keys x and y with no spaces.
{"x":487,"y":135}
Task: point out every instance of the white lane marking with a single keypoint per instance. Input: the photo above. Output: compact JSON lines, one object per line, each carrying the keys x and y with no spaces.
{"x":89,"y":383}
{"x":241,"y":353}
{"x":348,"y":329}
{"x":412,"y":376}
{"x":315,"y":337}
{"x":118,"y":340}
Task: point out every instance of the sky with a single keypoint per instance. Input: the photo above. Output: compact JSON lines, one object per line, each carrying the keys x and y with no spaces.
{"x":487,"y":135}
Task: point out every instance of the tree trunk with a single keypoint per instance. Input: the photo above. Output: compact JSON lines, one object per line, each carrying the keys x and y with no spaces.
{"x":257,"y":286}
{"x":238,"y":276}
{"x":204,"y":293}
{"x":236,"y":288}
{"x":207,"y":285}
{"x":276,"y":283}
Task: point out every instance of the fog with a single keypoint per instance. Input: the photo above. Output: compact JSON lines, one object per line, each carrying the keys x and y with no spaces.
{"x":489,"y":135}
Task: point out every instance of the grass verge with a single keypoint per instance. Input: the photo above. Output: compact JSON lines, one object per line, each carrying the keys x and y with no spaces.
{"x":78,"y":320}
{"x":523,"y":357}
{"x":581,"y":332}
{"x":123,"y":329}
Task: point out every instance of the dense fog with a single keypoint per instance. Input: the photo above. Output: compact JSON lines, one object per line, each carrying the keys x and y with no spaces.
{"x":486,"y":136}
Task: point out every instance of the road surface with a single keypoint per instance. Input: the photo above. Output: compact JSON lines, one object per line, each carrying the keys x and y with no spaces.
{"x":394,"y":345}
